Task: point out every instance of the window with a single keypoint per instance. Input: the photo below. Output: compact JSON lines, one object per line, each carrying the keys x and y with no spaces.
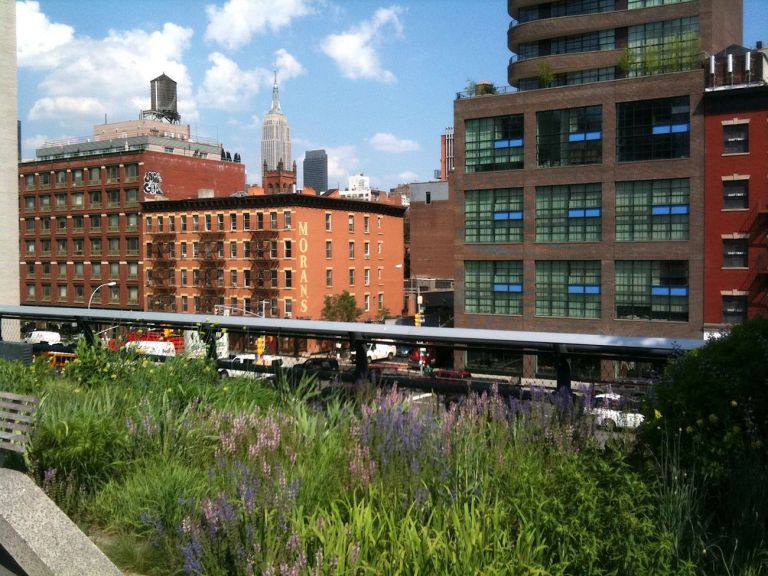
{"x":367,"y":303}
{"x":195,"y":223}
{"x":246,"y":221}
{"x":493,"y":216}
{"x":45,"y":247}
{"x":652,"y":210}
{"x":351,"y":222}
{"x":288,"y":248}
{"x":247,"y":278}
{"x":94,"y":198}
{"x":45,"y":180}
{"x":273,"y":249}
{"x":113,"y":223}
{"x":208,"y":222}
{"x":61,"y":178}
{"x":367,"y":250}
{"x":569,"y":136}
{"x":133,"y":269}
{"x":233,"y":222}
{"x":735,"y":194}
{"x":246,"y":249}
{"x":184,"y":277}
{"x":77,"y":223}
{"x":113,"y":174}
{"x":328,"y":278}
{"x":61,"y":272}
{"x":652,"y":290}
{"x":61,"y":225}
{"x":183,"y":249}
{"x":114,"y":269}
{"x":328,"y":217}
{"x":96,"y":271}
{"x":328,"y":249}
{"x":233,"y":278}
{"x":132,"y":246}
{"x":736,"y":138}
{"x":569,"y":213}
{"x":653,"y":129}
{"x":29,"y":181}
{"x":568,"y":288}
{"x":366,"y":224}
{"x":351,"y":276}
{"x":131,"y":197}
{"x":660,"y":47}
{"x":493,"y":287}
{"x":45,"y":225}
{"x":132,"y":221}
{"x":288,"y":307}
{"x":94,"y":221}
{"x":220,"y":249}
{"x":77,"y":246}
{"x":79,"y":268}
{"x":381,"y":301}
{"x":78,"y":200}
{"x":133,"y":294}
{"x":734,"y":309}
{"x":29,"y":247}
{"x":735,"y":253}
{"x":649,"y":3}
{"x":289,"y":279}
{"x":220,"y":222}
{"x":367,"y":277}
{"x":131,"y":172}
{"x":45,"y":202}
{"x":62,"y":291}
{"x":351,"y":248}
{"x":29,"y":203}
{"x":95,"y":247}
{"x":273,"y":220}
{"x":260,"y":221}
{"x":159,"y":223}
{"x":287,"y":220}
{"x":114,"y":246}
{"x":61,"y":201}
{"x":61,"y":247}
{"x":29,"y":226}
{"x":183,"y":221}
{"x":196,"y":277}
{"x":494,"y":144}
{"x":113,"y":198}
{"x":273,"y":278}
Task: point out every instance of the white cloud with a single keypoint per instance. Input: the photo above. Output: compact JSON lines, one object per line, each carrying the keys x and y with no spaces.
{"x":233,"y":24}
{"x":67,"y":108}
{"x":287,"y":66}
{"x":84,"y":78}
{"x":407,"y":177}
{"x":354,"y":51}
{"x":38,"y":40}
{"x":342,"y":161}
{"x":390,"y":143}
{"x":227,"y":86}
{"x":34,"y":142}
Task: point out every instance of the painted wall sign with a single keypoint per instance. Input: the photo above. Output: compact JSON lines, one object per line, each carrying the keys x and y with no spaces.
{"x":152,"y":181}
{"x":303,"y":280}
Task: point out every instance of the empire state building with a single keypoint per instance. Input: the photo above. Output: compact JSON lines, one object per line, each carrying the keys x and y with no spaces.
{"x":275,"y":136}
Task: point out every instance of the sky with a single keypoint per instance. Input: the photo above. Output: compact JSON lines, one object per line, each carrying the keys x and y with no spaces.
{"x":372,"y":83}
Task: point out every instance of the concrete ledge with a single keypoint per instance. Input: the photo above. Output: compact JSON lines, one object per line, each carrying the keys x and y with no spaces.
{"x":40,"y":537}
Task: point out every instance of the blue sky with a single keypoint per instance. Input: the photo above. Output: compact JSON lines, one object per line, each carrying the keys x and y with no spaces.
{"x":371,"y":82}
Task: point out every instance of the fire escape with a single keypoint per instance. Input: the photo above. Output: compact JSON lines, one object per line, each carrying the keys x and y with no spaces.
{"x":263,"y":264}
{"x":163,"y":281}
{"x":211,"y":263}
{"x":758,"y":276}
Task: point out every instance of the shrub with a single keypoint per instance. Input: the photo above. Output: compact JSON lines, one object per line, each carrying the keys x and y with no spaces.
{"x":715,"y":400}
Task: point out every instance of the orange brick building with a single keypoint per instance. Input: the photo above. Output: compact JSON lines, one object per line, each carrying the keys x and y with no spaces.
{"x":276,"y":254}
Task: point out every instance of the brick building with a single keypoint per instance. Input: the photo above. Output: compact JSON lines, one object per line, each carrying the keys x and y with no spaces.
{"x":277,"y":254}
{"x":579,"y":196}
{"x":79,"y":204}
{"x":736,"y":188}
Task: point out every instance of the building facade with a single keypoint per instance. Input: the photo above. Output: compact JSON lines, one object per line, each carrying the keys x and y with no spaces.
{"x":316,"y":170}
{"x":275,"y":135}
{"x":579,"y":198}
{"x":80,"y":212}
{"x":277,"y":255}
{"x":736,"y":188}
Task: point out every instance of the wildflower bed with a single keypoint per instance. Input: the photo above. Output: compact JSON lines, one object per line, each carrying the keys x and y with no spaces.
{"x":174,"y":472}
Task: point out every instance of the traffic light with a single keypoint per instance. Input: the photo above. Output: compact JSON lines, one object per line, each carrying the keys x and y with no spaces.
{"x":417,"y":319}
{"x":260,"y":343}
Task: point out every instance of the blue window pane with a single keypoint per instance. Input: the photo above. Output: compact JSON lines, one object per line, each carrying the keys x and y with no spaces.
{"x":660,"y":291}
{"x":663,"y":129}
{"x":507,"y":287}
{"x":517,"y":142}
{"x":678,"y":291}
{"x":575,"y":289}
{"x":592,"y":212}
{"x":681,"y":209}
{"x":660,"y":210}
{"x":501,"y":144}
{"x":677,"y":128}
{"x":592,"y":289}
{"x":597,"y":135}
{"x":501,"y":215}
{"x":576,"y":213}
{"x":576,"y":137}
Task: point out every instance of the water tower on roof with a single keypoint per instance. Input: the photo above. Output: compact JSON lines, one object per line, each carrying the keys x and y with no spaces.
{"x":163,"y":103}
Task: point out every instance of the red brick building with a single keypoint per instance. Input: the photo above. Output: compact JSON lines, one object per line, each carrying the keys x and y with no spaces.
{"x":736,"y":188}
{"x":277,"y":254}
{"x":80,"y":212}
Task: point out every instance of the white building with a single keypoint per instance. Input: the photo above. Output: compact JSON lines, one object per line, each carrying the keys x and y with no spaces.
{"x":276,"y":135}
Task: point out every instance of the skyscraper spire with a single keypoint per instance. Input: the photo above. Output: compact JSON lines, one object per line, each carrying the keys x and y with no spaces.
{"x":275,"y":98}
{"x":275,"y":134}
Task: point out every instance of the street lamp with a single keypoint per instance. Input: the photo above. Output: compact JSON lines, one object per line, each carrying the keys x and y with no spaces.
{"x":99,"y":287}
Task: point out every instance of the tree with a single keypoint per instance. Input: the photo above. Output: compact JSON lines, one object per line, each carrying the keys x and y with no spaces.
{"x":383,"y":314}
{"x":341,"y":308}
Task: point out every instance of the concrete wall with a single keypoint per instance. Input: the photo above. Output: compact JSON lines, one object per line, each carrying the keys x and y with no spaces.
{"x":9,"y":204}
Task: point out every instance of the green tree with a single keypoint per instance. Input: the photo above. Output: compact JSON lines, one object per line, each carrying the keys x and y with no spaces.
{"x":341,"y":308}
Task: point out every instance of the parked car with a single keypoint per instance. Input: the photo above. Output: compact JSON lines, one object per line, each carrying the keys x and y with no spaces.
{"x":612,"y":411}
{"x":321,"y":367}
{"x":378,"y":351}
